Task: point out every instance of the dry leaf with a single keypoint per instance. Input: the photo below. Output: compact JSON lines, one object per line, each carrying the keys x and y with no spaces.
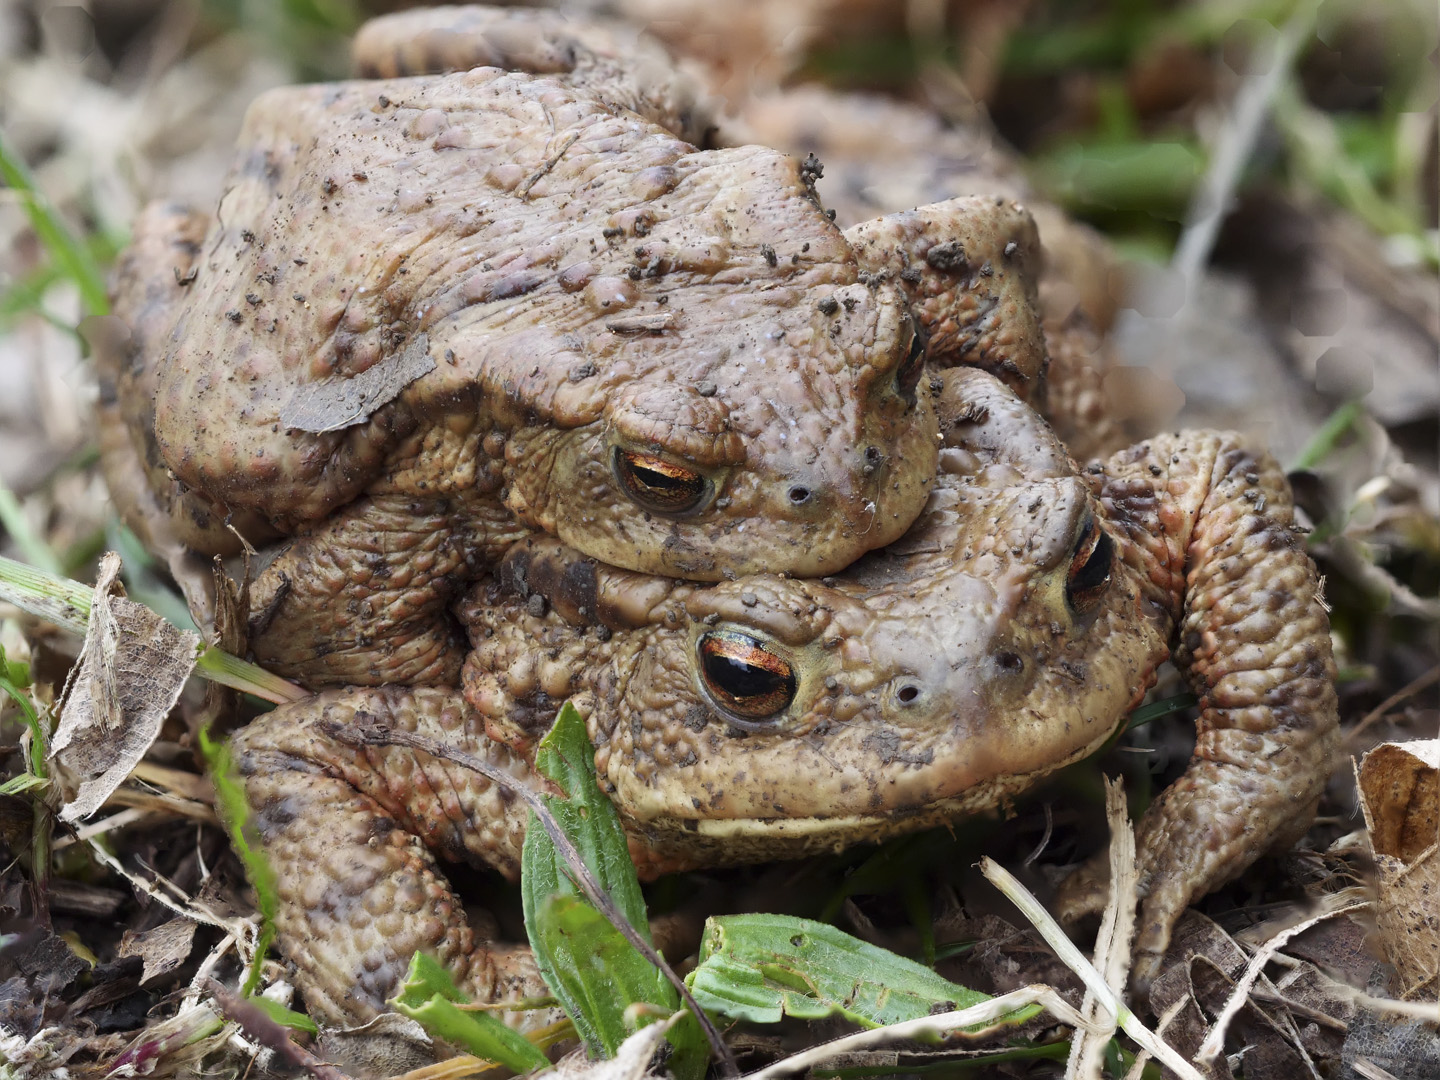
{"x":332,"y":404}
{"x":162,"y":949}
{"x":132,"y":668}
{"x":388,"y":1045}
{"x":631,"y":1060}
{"x":1400,"y":796}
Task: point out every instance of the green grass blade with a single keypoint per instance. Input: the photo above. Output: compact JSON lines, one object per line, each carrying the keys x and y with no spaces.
{"x":68,"y":253}
{"x":67,"y":604}
{"x":429,"y":996}
{"x":234,"y":812}
{"x":590,"y":967}
{"x":1328,"y":436}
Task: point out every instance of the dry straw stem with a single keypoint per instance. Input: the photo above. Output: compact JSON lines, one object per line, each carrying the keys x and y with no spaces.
{"x":1072,"y":958}
{"x":1137,"y":1069}
{"x":1211,"y":200}
{"x":930,"y":1027}
{"x":1112,"y":944}
{"x":1378,"y":713}
{"x":1214,"y":1042}
{"x":1426,"y":1011}
{"x":462,"y":1067}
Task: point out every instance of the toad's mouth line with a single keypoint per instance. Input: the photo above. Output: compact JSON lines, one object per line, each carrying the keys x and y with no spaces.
{"x":978,"y":799}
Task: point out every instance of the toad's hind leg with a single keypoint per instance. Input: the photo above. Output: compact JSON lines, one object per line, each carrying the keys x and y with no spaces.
{"x":609,"y":59}
{"x":350,"y":834}
{"x":1208,"y":525}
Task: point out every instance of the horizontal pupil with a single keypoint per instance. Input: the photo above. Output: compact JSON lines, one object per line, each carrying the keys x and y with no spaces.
{"x":739,"y":679}
{"x":749,"y":680}
{"x":1094,"y":572}
{"x":664,"y":481}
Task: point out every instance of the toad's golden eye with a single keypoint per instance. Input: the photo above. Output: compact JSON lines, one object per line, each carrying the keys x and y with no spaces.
{"x":659,"y":485}
{"x":1089,"y":568}
{"x":743,"y":676}
{"x":907,"y":375}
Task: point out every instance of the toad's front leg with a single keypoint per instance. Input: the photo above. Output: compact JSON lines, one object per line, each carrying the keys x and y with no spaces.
{"x":351,"y":834}
{"x":1208,"y":525}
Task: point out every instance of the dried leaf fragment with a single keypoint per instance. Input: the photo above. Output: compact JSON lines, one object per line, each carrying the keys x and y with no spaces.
{"x":1400,"y":796}
{"x":335,"y":403}
{"x":132,"y":668}
{"x":162,"y":949}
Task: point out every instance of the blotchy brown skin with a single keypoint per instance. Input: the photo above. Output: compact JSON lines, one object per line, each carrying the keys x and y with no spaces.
{"x":586,"y":284}
{"x":885,"y":157}
{"x":939,"y":677}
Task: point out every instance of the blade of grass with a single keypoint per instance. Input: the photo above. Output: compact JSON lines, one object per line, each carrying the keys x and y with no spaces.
{"x":1330,"y":432}
{"x":13,"y":681}
{"x":365,"y":731}
{"x":36,"y":551}
{"x":67,"y":604}
{"x":234,"y":811}
{"x":69,"y":254}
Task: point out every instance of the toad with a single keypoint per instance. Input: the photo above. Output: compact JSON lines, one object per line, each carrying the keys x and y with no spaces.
{"x":432,"y":314}
{"x":1005,"y":635}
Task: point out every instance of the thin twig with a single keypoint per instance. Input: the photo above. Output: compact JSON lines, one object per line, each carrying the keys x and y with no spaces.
{"x":1376,"y":714}
{"x":930,"y":1027}
{"x":360,"y":732}
{"x":1072,"y":958}
{"x":269,"y":1034}
{"x":1215,"y":1041}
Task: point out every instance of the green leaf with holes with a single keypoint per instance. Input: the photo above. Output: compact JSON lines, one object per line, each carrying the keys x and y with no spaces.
{"x":764,"y":967}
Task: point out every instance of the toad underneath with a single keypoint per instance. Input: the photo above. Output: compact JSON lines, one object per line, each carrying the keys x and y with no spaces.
{"x":1007,"y":634}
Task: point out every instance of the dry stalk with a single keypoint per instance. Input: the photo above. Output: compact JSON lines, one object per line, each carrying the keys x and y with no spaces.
{"x":1072,"y":958}
{"x":1112,"y":944}
{"x":929,"y":1027}
{"x":1215,"y":1040}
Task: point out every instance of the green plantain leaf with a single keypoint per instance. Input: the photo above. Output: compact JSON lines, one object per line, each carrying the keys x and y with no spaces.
{"x":591,"y":968}
{"x":764,"y":967}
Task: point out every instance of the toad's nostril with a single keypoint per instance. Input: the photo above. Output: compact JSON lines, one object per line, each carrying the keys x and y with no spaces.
{"x":873,"y":458}
{"x":907,"y":694}
{"x":1009,"y":661}
{"x":799,"y":495}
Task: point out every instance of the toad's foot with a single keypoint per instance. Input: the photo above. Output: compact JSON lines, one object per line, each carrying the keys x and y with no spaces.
{"x":351,"y":833}
{"x":1210,"y":524}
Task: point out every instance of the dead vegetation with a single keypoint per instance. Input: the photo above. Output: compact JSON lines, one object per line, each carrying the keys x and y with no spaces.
{"x":1307,"y":310}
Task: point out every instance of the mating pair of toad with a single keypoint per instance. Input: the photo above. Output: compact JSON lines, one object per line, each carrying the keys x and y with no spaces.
{"x":503,"y":342}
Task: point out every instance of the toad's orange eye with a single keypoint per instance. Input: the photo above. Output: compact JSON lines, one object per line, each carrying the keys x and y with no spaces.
{"x":907,"y":375}
{"x":1089,"y":568}
{"x":743,"y":676}
{"x":659,"y":485}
